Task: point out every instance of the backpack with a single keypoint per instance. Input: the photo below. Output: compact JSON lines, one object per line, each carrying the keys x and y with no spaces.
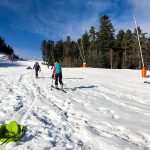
{"x":58,"y":68}
{"x":11,"y":132}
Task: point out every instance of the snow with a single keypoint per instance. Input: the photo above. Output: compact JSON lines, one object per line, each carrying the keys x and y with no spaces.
{"x":103,"y":109}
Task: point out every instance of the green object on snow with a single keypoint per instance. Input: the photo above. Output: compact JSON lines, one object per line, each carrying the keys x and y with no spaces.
{"x":11,"y":132}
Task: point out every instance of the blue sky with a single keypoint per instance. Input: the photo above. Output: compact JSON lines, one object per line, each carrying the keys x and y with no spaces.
{"x":25,"y":23}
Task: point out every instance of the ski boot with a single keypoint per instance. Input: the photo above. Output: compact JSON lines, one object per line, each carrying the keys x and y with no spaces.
{"x":61,"y":85}
{"x":56,"y":87}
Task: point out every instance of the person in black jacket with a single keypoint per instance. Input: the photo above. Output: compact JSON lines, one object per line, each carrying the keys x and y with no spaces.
{"x":37,"y":68}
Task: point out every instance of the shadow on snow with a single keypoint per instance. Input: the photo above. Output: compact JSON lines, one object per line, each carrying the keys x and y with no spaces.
{"x":82,"y":87}
{"x":74,"y":78}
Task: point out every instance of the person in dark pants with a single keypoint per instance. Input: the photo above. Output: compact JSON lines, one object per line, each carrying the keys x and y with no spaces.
{"x":37,"y":68}
{"x":57,"y":74}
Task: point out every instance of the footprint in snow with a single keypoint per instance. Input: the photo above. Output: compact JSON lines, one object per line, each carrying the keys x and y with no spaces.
{"x":115,"y":116}
{"x":106,"y":111}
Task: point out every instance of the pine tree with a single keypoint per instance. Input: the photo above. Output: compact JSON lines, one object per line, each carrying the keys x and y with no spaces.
{"x":106,"y":40}
{"x":92,"y":34}
{"x":59,"y":49}
{"x":2,"y":44}
{"x":106,"y":34}
{"x":93,"y":58}
{"x":127,"y":45}
{"x":119,"y":59}
{"x":43,"y":49}
{"x":51,"y":55}
{"x":148,"y":53}
{"x":119,"y":40}
{"x":85,"y":43}
{"x":67,"y":52}
{"x":4,"y":48}
{"x":128,"y":40}
{"x":74,"y":54}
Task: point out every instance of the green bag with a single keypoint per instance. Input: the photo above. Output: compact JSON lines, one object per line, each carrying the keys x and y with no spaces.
{"x":11,"y":132}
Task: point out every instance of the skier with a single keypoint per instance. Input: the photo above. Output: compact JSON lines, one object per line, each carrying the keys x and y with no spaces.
{"x":57,"y":74}
{"x":37,"y":68}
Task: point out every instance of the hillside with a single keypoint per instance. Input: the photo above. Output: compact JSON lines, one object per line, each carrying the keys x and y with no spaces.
{"x":103,"y":109}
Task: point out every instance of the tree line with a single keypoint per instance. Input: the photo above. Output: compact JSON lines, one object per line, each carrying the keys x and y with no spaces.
{"x":5,"y":48}
{"x":102,"y":48}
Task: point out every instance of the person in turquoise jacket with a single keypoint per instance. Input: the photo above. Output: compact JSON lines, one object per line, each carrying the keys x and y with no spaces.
{"x":57,"y":74}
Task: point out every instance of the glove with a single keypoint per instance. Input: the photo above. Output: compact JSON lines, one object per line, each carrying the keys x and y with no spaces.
{"x":53,"y":76}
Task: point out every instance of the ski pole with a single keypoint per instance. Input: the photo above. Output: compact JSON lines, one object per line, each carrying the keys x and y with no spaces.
{"x":52,"y":77}
{"x":52,"y":81}
{"x":42,"y":75}
{"x":33,"y":73}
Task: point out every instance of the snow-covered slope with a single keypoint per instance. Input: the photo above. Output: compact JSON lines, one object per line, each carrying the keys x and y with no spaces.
{"x":103,"y":109}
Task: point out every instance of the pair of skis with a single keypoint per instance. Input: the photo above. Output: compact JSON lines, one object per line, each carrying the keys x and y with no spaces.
{"x":52,"y":87}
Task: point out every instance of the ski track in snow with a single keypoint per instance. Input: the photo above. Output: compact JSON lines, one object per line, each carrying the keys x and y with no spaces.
{"x":96,"y":113}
